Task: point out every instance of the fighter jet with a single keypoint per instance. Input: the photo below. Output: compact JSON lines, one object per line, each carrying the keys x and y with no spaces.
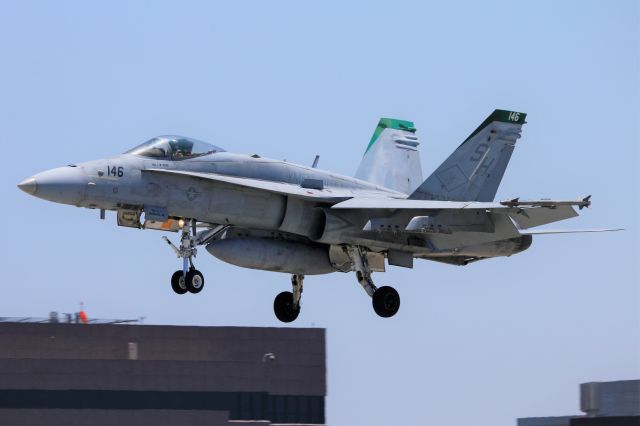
{"x":274,"y":215}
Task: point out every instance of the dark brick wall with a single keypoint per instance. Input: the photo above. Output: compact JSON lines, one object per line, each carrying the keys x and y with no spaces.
{"x":169,"y":358}
{"x":606,"y":421}
{"x":202,"y":362}
{"x":11,"y":417}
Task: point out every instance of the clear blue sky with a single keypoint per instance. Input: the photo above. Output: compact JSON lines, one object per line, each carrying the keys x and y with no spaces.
{"x":478,"y":345}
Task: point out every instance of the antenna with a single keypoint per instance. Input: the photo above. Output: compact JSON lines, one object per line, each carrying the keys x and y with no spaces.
{"x":315,"y":162}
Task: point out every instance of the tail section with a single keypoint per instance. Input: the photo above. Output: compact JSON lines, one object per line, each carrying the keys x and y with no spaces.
{"x":392,"y":159}
{"x":474,"y":171}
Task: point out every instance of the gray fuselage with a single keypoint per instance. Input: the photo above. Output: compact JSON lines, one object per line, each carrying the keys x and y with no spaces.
{"x":132,"y":183}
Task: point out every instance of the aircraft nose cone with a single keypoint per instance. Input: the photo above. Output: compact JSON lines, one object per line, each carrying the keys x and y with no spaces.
{"x":66,"y":185}
{"x":29,"y":186}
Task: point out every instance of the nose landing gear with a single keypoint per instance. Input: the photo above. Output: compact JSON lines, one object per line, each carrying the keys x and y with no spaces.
{"x":189,"y":279}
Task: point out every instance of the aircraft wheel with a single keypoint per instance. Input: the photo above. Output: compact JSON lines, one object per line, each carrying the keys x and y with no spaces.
{"x":283,"y":307}
{"x":194,"y":281}
{"x":386,"y":301}
{"x":177,"y":283}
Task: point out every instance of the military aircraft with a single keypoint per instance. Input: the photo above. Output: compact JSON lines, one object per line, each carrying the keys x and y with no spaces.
{"x":273,"y":215}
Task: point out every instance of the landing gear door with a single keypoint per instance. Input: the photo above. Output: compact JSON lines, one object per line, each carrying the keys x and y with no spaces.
{"x":156,"y":217}
{"x":171,"y":225}
{"x":129,"y":218}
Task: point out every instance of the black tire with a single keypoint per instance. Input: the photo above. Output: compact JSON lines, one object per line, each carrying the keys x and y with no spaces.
{"x":386,"y":301}
{"x":194,"y":281}
{"x":283,"y":307}
{"x":177,"y":283}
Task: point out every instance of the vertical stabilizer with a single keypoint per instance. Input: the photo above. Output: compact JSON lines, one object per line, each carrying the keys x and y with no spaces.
{"x":392,"y":159}
{"x":475,"y":169}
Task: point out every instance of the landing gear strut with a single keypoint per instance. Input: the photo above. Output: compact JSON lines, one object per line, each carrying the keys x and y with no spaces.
{"x":189,"y":279}
{"x":286,"y":305}
{"x":385,"y":300}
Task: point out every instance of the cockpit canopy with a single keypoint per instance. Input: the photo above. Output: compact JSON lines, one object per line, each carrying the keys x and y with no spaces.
{"x":173,"y":148}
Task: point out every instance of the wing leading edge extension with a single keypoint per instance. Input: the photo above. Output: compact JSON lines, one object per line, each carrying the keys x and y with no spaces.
{"x":330,"y":194}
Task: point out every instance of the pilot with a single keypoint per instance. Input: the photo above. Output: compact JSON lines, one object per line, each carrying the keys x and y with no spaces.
{"x":181,"y":148}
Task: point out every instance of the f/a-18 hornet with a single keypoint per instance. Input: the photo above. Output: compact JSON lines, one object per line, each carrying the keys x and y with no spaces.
{"x":273,"y":215}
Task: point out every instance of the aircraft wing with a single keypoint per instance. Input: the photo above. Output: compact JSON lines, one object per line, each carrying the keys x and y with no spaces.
{"x":526,"y":214}
{"x":406,"y":204}
{"x":568,"y":231}
{"x":313,"y":190}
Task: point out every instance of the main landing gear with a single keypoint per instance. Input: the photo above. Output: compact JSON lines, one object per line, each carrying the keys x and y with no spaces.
{"x":385,"y":300}
{"x":286,"y":305}
{"x":189,"y":279}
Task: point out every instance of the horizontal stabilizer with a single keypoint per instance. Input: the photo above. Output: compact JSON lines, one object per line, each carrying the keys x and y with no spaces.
{"x":537,"y":216}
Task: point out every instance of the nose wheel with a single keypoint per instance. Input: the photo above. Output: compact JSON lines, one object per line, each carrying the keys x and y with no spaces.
{"x":177,"y":283}
{"x":192,"y":282}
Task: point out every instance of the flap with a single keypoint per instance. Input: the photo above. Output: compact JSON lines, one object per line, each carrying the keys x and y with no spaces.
{"x":525,"y":214}
{"x":568,"y":231}
{"x":405,"y":204}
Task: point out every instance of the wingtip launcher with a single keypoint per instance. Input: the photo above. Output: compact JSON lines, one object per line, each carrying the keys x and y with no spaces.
{"x":551,"y":204}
